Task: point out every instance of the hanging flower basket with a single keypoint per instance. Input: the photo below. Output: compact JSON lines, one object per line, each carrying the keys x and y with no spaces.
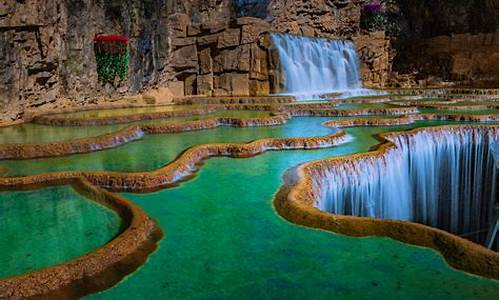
{"x":112,"y":57}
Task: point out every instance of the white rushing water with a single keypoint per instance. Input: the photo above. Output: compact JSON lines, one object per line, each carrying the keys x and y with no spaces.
{"x":448,"y":181}
{"x":315,"y":66}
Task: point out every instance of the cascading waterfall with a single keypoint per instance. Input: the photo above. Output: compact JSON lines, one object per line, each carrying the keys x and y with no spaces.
{"x":447,"y":180}
{"x":315,"y":66}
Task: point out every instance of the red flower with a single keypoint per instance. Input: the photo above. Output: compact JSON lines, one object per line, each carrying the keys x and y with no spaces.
{"x":110,"y":38}
{"x":110,"y":44}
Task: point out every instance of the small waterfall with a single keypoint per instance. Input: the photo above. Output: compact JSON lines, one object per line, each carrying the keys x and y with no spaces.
{"x":447,"y":180}
{"x":314,"y":66}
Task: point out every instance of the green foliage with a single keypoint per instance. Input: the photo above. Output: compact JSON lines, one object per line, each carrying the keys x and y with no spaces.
{"x":374,"y":22}
{"x":111,"y":65}
{"x":112,"y":57}
{"x":373,"y":16}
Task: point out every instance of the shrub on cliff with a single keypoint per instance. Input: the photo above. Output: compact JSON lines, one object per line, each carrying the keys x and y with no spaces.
{"x":111,"y":57}
{"x":372,"y":16}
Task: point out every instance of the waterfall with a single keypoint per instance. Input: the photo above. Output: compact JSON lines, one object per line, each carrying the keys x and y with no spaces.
{"x":314,"y":66}
{"x":445,"y":179}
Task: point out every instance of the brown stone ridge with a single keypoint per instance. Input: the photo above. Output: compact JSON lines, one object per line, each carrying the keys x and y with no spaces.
{"x":133,"y":133}
{"x":404,"y":120}
{"x":94,"y":271}
{"x":58,"y":120}
{"x":295,"y":202}
{"x":493,"y":105}
{"x":302,"y":109}
{"x":381,"y":99}
{"x":84,"y":145}
{"x":183,"y":167}
{"x":62,"y":120}
{"x":210,"y":123}
{"x":353,"y":112}
{"x":435,"y":92}
{"x":450,"y":104}
{"x":126,"y":135}
{"x":233,"y":100}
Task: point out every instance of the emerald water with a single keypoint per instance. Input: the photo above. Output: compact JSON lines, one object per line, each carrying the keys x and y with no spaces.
{"x":224,"y":241}
{"x":102,"y":113}
{"x":458,"y":111}
{"x":223,"y":238}
{"x":41,"y":228}
{"x":363,"y":105}
{"x":155,"y":151}
{"x":30,"y":133}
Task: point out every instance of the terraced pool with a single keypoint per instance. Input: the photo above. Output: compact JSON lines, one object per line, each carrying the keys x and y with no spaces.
{"x":44,"y":227}
{"x":223,"y":238}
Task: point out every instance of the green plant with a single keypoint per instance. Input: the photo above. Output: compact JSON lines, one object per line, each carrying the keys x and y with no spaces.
{"x":112,"y":57}
{"x":372,"y":16}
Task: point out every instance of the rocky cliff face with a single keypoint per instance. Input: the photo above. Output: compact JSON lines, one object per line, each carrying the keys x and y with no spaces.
{"x":47,"y":49}
{"x":219,"y":47}
{"x":448,"y":40}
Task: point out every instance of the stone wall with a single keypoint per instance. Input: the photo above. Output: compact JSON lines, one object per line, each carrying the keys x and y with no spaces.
{"x":461,"y":58}
{"x":215,"y":60}
{"x":447,"y":42}
{"x":47,"y":50}
{"x":376,"y":56}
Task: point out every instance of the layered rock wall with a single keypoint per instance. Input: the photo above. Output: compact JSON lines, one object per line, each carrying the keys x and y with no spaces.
{"x":469,"y":59}
{"x":455,"y":42}
{"x":219,"y":47}
{"x":47,"y":50}
{"x":214,"y":60}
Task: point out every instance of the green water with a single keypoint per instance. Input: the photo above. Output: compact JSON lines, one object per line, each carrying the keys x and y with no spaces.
{"x":242,"y":114}
{"x":45,"y":227}
{"x":224,"y":241}
{"x":102,"y":113}
{"x":29,"y":133}
{"x":33,"y":133}
{"x":139,"y":110}
{"x":363,"y":105}
{"x":458,"y":111}
{"x":154,"y":151}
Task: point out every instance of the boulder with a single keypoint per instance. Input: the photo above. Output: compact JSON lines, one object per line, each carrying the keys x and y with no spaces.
{"x":190,"y":87}
{"x":229,"y":38}
{"x":177,"y":24}
{"x":259,"y":88}
{"x":160,"y":95}
{"x":237,"y":59}
{"x":205,"y":84}
{"x":231,"y":84}
{"x":208,"y":39}
{"x":205,"y":60}
{"x":185,"y":58}
{"x":193,"y":29}
{"x":258,"y":63}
